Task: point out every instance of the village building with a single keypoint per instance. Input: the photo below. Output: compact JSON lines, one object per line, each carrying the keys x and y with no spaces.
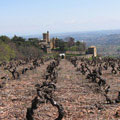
{"x":48,"y":44}
{"x":92,"y":50}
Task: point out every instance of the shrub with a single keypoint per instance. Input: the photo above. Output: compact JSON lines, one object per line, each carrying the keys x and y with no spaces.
{"x":6,"y":52}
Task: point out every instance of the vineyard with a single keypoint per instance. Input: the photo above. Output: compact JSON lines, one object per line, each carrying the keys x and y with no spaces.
{"x":60,"y":89}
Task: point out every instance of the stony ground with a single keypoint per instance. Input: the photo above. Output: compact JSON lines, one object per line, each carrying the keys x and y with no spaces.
{"x":77,"y":95}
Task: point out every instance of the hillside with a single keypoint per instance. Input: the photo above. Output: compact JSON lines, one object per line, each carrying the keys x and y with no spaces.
{"x":112,"y":39}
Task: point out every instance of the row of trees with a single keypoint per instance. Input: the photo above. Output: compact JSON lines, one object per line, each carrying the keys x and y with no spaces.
{"x":69,"y":44}
{"x":18,"y":47}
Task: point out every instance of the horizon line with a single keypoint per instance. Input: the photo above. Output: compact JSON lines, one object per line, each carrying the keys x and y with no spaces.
{"x":52,"y":33}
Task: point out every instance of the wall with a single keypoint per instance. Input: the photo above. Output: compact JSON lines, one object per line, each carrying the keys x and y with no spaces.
{"x":75,"y":52}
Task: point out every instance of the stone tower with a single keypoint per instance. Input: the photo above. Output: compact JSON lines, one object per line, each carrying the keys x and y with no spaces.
{"x":53,"y":43}
{"x":46,"y":37}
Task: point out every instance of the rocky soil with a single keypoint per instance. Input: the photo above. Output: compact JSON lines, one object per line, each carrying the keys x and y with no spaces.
{"x":78,"y":96}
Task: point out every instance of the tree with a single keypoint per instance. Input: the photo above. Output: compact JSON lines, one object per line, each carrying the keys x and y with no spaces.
{"x":81,"y":46}
{"x":78,"y":43}
{"x":17,"y":39}
{"x":34,"y":41}
{"x":6,"y":52}
{"x":60,"y":44}
{"x":5,"y":39}
{"x":71,"y":41}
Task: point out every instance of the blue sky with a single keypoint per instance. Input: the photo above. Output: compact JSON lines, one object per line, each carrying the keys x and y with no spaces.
{"x":25,"y":17}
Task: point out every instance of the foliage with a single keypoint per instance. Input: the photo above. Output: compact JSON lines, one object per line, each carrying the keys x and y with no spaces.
{"x":19,"y":47}
{"x":74,"y":48}
{"x":4,"y":39}
{"x":70,"y":42}
{"x":71,"y":45}
{"x":6,"y":52}
{"x":60,"y":44}
{"x":73,"y":55}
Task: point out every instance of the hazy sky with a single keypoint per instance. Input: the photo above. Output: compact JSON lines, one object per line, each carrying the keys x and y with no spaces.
{"x":24,"y":17}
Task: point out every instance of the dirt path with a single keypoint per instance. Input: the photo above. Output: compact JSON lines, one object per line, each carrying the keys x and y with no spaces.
{"x":78,"y":96}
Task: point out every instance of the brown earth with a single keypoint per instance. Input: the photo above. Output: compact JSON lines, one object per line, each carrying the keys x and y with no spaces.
{"x":78,"y":96}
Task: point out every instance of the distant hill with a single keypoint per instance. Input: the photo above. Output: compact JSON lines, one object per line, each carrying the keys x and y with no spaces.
{"x":113,"y":39}
{"x":94,"y":37}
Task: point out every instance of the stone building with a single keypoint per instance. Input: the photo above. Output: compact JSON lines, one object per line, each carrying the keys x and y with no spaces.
{"x":53,"y":43}
{"x":48,"y":44}
{"x":92,"y":50}
{"x":46,"y":37}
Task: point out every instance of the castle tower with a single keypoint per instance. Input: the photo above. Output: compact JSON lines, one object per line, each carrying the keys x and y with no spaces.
{"x":46,"y":37}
